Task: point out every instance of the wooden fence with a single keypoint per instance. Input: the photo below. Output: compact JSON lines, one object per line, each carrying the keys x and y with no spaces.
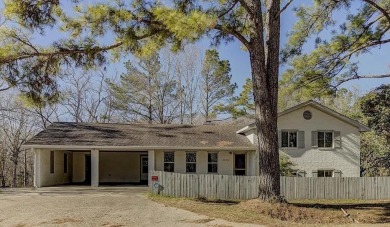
{"x":229,"y":187}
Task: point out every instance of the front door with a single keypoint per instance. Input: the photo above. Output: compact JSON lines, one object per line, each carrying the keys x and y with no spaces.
{"x":239,"y":164}
{"x":144,"y":168}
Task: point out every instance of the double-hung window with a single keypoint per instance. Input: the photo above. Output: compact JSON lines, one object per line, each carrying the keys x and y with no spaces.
{"x":325,"y":139}
{"x":191,"y":162}
{"x":325,"y":173}
{"x":169,"y":161}
{"x":289,"y":139}
{"x":212,"y":162}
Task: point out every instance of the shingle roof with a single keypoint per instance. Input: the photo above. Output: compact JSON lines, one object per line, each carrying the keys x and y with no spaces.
{"x":140,"y":135}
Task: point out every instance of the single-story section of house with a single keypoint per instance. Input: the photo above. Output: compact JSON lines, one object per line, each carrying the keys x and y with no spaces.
{"x":98,"y":153}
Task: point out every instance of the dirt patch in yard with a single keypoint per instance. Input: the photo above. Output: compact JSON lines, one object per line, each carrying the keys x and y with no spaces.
{"x":295,"y":213}
{"x":112,"y":225}
{"x":375,"y":212}
{"x":63,"y":221}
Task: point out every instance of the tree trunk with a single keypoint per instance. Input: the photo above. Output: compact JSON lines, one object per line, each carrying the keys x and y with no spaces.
{"x":25,"y":169}
{"x":15,"y":175}
{"x":264,"y":57}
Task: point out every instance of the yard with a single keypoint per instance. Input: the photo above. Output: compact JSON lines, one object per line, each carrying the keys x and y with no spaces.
{"x":133,"y":206}
{"x":296,"y":213}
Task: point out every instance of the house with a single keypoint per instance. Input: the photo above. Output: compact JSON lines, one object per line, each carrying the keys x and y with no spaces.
{"x":322,"y":142}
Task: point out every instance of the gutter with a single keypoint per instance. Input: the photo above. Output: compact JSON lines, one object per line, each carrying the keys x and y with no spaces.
{"x":134,"y":148}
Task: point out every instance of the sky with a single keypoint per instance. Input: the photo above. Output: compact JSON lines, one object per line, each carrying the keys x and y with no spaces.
{"x":377,"y":62}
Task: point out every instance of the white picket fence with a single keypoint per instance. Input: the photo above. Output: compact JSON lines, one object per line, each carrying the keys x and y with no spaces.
{"x":229,"y":187}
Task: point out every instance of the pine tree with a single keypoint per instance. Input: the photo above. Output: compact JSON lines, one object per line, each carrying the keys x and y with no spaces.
{"x":215,"y":84}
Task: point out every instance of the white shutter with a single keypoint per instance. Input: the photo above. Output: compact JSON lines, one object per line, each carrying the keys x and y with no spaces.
{"x":337,"y":139}
{"x":337,"y":173}
{"x":301,"y":139}
{"x":314,"y":173}
{"x":314,"y":138}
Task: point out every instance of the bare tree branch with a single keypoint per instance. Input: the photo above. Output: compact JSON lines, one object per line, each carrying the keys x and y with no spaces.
{"x":356,"y":77}
{"x":234,"y":33}
{"x":382,"y":10}
{"x":229,"y":9}
{"x":285,"y":6}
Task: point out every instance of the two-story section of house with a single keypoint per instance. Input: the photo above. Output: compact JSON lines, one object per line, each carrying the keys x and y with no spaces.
{"x":321,"y":142}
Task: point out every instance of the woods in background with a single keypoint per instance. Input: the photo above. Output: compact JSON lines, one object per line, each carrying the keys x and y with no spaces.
{"x":165,"y":88}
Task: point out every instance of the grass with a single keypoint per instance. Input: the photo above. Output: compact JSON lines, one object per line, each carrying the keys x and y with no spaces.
{"x":295,"y":213}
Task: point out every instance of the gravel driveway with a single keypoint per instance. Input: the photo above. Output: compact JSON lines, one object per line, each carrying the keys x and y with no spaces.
{"x":86,"y":206}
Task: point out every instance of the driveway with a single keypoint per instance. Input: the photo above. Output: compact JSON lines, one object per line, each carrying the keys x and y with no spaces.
{"x":86,"y":206}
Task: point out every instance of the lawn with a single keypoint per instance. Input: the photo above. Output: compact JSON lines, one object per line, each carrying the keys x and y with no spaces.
{"x":295,"y":213}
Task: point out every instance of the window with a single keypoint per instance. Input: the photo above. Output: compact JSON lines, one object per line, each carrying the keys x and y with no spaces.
{"x":325,"y":173}
{"x":51,"y":161}
{"x":239,"y":164}
{"x":289,"y":138}
{"x":65,"y":163}
{"x":169,"y":161}
{"x":325,"y":139}
{"x":212,"y":162}
{"x":191,"y":162}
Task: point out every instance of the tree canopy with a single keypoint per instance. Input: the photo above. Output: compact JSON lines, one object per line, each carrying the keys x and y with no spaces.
{"x":334,"y":60}
{"x":376,"y":108}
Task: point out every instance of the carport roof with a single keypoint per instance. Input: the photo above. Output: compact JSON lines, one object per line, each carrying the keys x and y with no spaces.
{"x":140,"y":135}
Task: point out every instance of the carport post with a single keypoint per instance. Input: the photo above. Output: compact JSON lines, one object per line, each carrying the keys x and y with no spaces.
{"x":37,"y":168}
{"x":95,"y":168}
{"x":150,"y":165}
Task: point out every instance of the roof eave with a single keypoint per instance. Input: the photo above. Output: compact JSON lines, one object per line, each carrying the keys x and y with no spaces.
{"x":131,"y":148}
{"x":246,"y":129}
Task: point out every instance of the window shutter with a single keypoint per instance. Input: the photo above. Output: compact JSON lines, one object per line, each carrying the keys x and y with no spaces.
{"x":314,"y":173}
{"x":314,"y":138}
{"x":337,"y":139}
{"x":337,"y":173}
{"x":301,"y":139}
{"x":280,"y":138}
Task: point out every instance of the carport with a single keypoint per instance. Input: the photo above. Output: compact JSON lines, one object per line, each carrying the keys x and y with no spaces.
{"x":95,"y":167}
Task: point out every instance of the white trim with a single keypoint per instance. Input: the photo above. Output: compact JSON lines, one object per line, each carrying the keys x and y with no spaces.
{"x":246,"y":128}
{"x":135,"y":148}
